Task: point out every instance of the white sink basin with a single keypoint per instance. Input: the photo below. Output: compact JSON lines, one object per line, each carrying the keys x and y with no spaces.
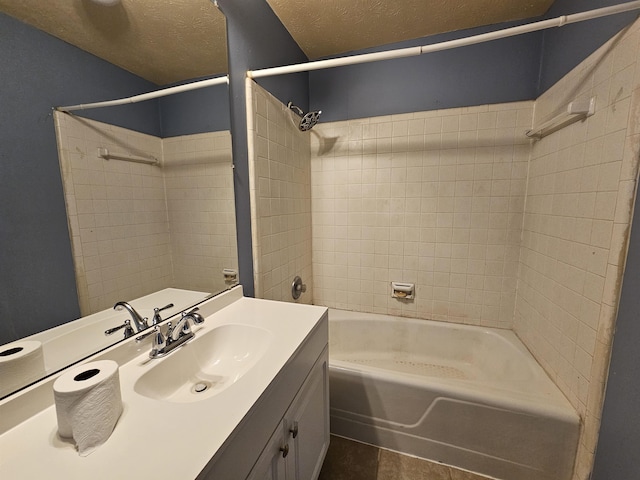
{"x":207,"y":365}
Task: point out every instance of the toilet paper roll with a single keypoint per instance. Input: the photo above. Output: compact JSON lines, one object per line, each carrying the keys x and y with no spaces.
{"x":88,"y":404}
{"x":21,"y":363}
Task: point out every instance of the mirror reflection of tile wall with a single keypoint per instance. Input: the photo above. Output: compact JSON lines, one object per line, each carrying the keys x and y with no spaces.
{"x":137,"y":228}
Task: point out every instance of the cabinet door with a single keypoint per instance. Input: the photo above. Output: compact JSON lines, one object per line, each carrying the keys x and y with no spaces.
{"x":307,"y":424}
{"x":272,"y":463}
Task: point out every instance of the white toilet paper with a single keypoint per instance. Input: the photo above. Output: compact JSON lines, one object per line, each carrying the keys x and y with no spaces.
{"x":21,"y":363}
{"x":88,"y":403}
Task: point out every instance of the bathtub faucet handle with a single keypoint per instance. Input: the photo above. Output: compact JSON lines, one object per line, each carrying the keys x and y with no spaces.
{"x":297,"y":288}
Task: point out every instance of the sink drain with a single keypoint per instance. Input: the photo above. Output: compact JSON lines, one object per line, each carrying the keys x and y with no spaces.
{"x":200,"y":387}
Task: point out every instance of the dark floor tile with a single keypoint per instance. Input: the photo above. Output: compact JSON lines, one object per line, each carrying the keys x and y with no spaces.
{"x":349,"y":460}
{"x":395,"y":466}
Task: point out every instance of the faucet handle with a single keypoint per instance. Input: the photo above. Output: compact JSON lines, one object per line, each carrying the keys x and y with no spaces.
{"x":144,"y":335}
{"x":169,"y":332}
{"x":128,"y":330}
{"x":156,"y":313}
{"x":186,"y":326}
{"x":158,"y":341}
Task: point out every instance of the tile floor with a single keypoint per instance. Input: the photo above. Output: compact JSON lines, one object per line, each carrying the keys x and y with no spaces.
{"x":349,"y":460}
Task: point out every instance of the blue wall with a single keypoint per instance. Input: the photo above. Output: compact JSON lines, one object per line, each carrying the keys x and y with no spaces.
{"x":513,"y":69}
{"x":37,"y":280}
{"x":197,"y":111}
{"x":565,"y":47}
{"x":255,"y":39}
{"x":47,"y":72}
{"x":506,"y":70}
{"x":37,"y":283}
{"x":499,"y":71}
{"x":617,"y":452}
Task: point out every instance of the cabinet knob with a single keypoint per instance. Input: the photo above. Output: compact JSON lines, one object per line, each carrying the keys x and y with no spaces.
{"x":294,"y":429}
{"x":285,"y":450}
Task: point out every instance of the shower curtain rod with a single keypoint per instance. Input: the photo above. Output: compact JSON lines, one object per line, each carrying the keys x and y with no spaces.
{"x":148,"y":96}
{"x":436,"y":47}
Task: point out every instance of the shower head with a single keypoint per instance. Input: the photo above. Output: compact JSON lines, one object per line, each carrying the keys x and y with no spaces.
{"x":307,"y":120}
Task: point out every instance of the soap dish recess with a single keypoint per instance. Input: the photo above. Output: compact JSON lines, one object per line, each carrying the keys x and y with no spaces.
{"x":404,"y":291}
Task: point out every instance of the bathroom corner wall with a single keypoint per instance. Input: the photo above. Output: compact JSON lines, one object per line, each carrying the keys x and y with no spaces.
{"x":136,"y":228}
{"x":581,"y":187}
{"x":116,"y":211}
{"x":280,"y":185}
{"x":432,"y":198}
{"x":198,"y":179}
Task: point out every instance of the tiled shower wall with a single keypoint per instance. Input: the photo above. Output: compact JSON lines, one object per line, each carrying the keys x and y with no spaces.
{"x":280,"y":184}
{"x":432,"y":198}
{"x":580,"y":195}
{"x":484,"y":221}
{"x":125,"y":241}
{"x":438,"y":198}
{"x":199,"y":188}
{"x":116,"y":210}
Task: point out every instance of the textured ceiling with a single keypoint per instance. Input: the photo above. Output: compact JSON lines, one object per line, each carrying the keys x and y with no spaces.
{"x":161,"y":41}
{"x":167,"y":41}
{"x":328,"y":27}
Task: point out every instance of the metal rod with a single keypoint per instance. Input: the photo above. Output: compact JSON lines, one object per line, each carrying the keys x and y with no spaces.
{"x":148,"y":96}
{"x":436,"y":47}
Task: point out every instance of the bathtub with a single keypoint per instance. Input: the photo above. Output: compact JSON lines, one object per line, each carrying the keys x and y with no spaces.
{"x":469,"y":397}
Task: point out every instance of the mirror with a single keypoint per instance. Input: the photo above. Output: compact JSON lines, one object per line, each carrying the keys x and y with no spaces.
{"x":81,"y":232}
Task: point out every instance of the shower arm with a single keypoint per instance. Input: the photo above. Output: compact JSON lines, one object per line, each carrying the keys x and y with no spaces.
{"x":295,"y":108}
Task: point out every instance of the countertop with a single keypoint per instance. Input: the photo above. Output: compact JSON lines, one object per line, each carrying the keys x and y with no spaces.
{"x":158,"y":439}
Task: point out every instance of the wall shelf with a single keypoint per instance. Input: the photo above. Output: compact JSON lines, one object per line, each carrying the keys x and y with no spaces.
{"x":575,"y":111}
{"x":104,"y":153}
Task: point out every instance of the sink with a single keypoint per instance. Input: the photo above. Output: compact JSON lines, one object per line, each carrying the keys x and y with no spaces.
{"x":206,"y":366}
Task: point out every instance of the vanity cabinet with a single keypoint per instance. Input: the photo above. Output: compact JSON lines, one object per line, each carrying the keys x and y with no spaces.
{"x":291,"y":416}
{"x":297,"y":448}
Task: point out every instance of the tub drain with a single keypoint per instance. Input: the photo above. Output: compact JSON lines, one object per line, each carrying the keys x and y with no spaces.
{"x":200,"y":387}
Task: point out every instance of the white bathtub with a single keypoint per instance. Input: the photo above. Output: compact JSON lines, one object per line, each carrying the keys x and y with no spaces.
{"x":466,"y":396}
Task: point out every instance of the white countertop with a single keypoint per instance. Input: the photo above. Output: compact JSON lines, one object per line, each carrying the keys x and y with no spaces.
{"x":157,"y":439}
{"x":72,"y":341}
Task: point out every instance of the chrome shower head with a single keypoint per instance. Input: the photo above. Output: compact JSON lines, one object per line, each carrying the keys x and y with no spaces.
{"x":307,"y":120}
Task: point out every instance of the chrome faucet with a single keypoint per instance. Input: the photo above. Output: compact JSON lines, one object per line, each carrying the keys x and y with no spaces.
{"x":176,"y":336}
{"x":183,"y":326}
{"x":138,"y":321}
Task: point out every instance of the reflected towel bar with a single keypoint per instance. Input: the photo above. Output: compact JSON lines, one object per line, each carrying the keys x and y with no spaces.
{"x":104,"y":153}
{"x":575,"y":111}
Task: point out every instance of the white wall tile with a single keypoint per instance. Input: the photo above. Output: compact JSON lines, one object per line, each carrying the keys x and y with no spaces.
{"x":280,"y":185}
{"x":428,"y":208}
{"x":438,"y":198}
{"x":126,"y":226}
{"x":576,"y":226}
{"x":198,"y":182}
